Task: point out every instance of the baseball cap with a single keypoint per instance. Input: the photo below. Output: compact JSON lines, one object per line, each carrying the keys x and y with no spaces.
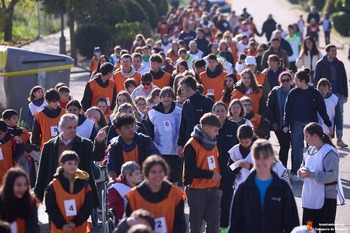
{"x":97,"y":49}
{"x":250,"y":60}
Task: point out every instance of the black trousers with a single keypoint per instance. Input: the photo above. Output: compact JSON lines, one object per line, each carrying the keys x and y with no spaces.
{"x":284,"y":140}
{"x":322,"y":219}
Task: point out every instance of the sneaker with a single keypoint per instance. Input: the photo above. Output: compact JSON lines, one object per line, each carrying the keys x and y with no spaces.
{"x":223,"y":229}
{"x":341,"y":144}
{"x":294,"y":177}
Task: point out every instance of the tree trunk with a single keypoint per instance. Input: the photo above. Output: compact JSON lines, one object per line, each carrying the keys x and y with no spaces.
{"x":73,"y":47}
{"x":8,"y":27}
{"x":329,"y":7}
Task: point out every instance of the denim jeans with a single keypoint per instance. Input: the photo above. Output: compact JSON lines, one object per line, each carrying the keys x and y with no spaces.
{"x":340,"y":120}
{"x":297,"y":136}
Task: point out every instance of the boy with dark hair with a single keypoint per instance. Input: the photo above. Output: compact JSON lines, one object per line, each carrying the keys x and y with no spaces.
{"x":102,"y":86}
{"x":160,"y":78}
{"x":202,"y":174}
{"x":25,"y":160}
{"x":128,"y":146}
{"x":11,"y":147}
{"x":213,"y":77}
{"x":64,"y":96}
{"x":130,"y":85}
{"x":46,"y":121}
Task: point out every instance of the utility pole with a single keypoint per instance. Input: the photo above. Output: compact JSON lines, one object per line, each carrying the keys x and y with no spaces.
{"x":62,"y":38}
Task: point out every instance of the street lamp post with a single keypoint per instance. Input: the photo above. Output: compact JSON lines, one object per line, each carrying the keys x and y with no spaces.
{"x":62,"y":38}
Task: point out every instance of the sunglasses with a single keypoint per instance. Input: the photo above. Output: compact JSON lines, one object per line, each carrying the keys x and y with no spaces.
{"x":285,"y":80}
{"x":146,"y":84}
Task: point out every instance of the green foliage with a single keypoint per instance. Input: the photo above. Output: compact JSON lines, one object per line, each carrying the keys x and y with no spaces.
{"x":338,"y":22}
{"x":162,"y":7}
{"x":342,"y":5}
{"x":90,"y":36}
{"x":136,"y":12}
{"x":151,"y":10}
{"x":305,"y":4}
{"x":125,"y":32}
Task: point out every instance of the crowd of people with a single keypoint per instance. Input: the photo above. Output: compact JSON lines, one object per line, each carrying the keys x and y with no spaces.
{"x":186,"y":118}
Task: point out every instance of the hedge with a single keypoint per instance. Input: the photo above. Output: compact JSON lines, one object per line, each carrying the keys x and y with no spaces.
{"x":340,"y":23}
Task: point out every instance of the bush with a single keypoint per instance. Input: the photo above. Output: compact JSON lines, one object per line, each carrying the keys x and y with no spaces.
{"x":339,"y":19}
{"x":90,"y":36}
{"x":162,"y":7}
{"x":136,"y":12}
{"x":151,"y":10}
{"x":307,"y":3}
{"x":124,"y":33}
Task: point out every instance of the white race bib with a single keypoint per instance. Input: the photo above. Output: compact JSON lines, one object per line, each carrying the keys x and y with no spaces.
{"x":70,"y":207}
{"x":54,"y":131}
{"x":210,"y":91}
{"x":167,"y":125}
{"x":1,"y":155}
{"x":211,"y":162}
{"x":108,"y":102}
{"x":160,"y":226}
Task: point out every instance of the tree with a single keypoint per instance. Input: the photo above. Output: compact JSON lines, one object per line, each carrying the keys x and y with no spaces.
{"x":6,"y":17}
{"x":151,"y":10}
{"x":71,"y":8}
{"x":329,"y":6}
{"x":162,"y":7}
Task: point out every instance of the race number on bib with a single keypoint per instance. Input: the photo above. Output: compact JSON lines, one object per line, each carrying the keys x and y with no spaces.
{"x":160,"y":226}
{"x":54,"y":131}
{"x":211,"y":162}
{"x":108,"y":102}
{"x":1,"y":155}
{"x":211,"y":91}
{"x":70,"y":207}
{"x":167,"y":126}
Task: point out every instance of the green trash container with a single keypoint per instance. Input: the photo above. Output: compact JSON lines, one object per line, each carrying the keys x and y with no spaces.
{"x":20,"y":70}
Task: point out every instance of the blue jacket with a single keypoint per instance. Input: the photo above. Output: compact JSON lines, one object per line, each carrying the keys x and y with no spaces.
{"x":306,"y":104}
{"x":279,"y":214}
{"x":323,"y":71}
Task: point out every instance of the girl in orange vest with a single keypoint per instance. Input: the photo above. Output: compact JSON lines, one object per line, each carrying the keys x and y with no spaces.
{"x":230,"y":80}
{"x":68,"y":198}
{"x":156,"y":194}
{"x":17,"y":206}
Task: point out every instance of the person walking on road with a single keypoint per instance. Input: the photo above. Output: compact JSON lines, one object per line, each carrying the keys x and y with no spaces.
{"x":331,"y":68}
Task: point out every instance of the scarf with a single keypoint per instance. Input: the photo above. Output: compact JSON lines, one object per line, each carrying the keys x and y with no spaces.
{"x":207,"y":142}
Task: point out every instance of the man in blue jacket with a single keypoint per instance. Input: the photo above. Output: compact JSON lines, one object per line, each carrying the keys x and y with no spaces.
{"x":193,"y":109}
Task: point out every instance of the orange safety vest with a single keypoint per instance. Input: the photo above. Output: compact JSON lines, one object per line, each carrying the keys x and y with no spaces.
{"x":101,"y":92}
{"x":256,"y":121}
{"x":213,"y":85}
{"x":164,"y":209}
{"x":163,"y":81}
{"x":255,"y":97}
{"x":119,"y":80}
{"x":61,"y":197}
{"x":48,"y":126}
{"x":7,"y":158}
{"x":132,"y":155}
{"x":203,"y":158}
